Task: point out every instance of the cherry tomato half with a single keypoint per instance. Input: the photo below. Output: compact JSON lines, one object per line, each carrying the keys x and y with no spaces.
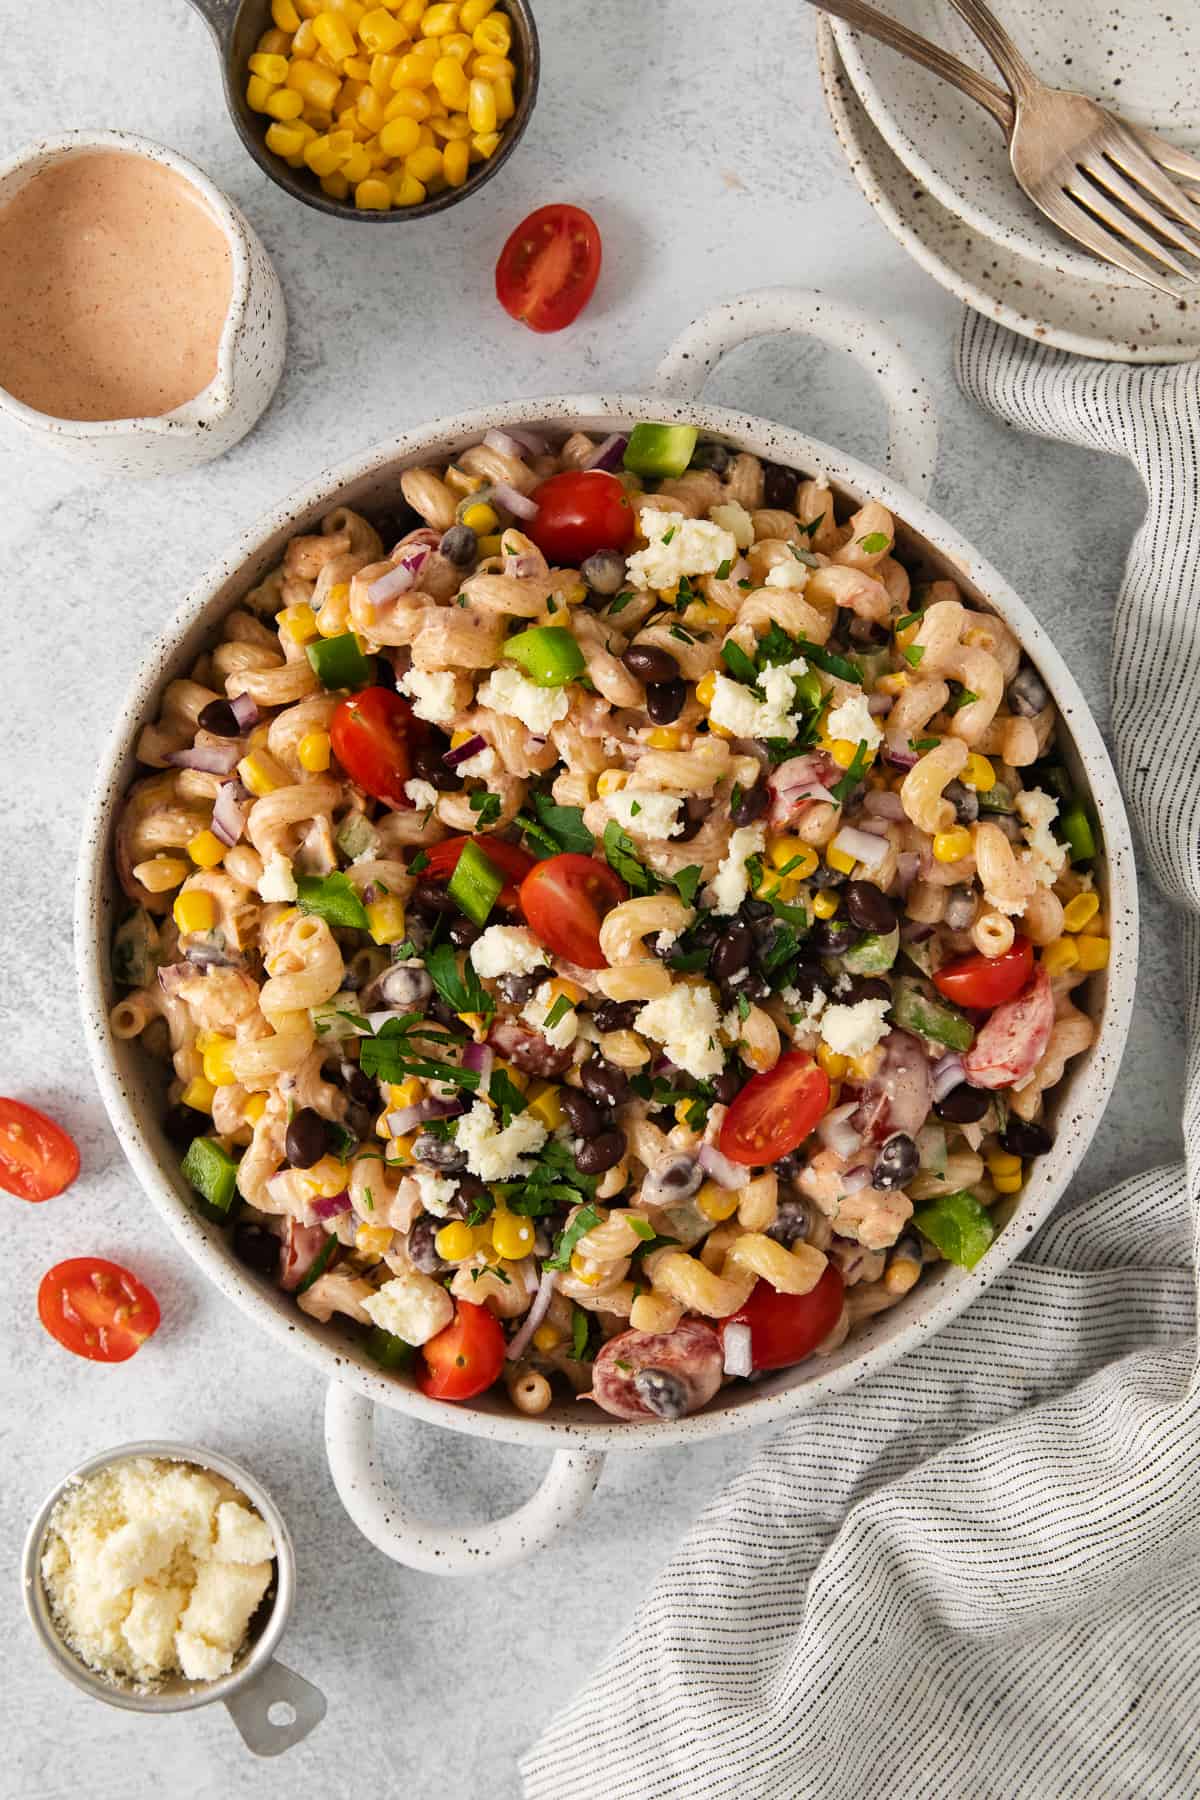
{"x":37,"y":1158}
{"x":564,"y":900}
{"x":548,"y":268}
{"x":785,"y":1328}
{"x":466,"y":1357}
{"x":510,"y":859}
{"x":987,"y":981}
{"x":776,"y":1111}
{"x":579,"y":512}
{"x":372,"y":734}
{"x":97,"y":1309}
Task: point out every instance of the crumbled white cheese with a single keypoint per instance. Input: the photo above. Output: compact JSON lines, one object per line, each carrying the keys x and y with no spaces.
{"x":1046,"y":857}
{"x":739,"y":711}
{"x":538,"y":708}
{"x":242,"y":1537}
{"x":666,"y":941}
{"x":506,"y":950}
{"x":437,"y":1191}
{"x":735,"y":519}
{"x":411,"y":1306}
{"x":563,"y":1032}
{"x":678,"y":547}
{"x":423,"y":794}
{"x":494,"y":1154}
{"x":277,"y":881}
{"x":852,"y":720}
{"x":731,"y":883}
{"x":790,"y":574}
{"x":484,"y":762}
{"x":431,"y":692}
{"x":686,"y":1023}
{"x":853,"y":1030}
{"x":222,"y":1603}
{"x":804,"y":1016}
{"x":645,"y":814}
{"x":200,"y":1660}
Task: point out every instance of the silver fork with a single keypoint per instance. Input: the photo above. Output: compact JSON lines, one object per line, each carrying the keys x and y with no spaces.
{"x":1100,"y":180}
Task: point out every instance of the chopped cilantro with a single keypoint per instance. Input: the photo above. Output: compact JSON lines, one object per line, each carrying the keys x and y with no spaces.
{"x":462,"y":989}
{"x":811,"y":528}
{"x":850,"y":780}
{"x":556,"y":828}
{"x":745,"y":585}
{"x":491,"y":1269}
{"x":688,"y":962}
{"x":723,"y":569}
{"x":623,"y":858}
{"x":668,"y":535}
{"x":841,"y":666}
{"x":420,"y":861}
{"x":923,"y":744}
{"x":686,"y":883}
{"x":506,"y":1096}
{"x":743,"y":1007}
{"x":684,"y":637}
{"x":621,"y":601}
{"x":911,"y":618}
{"x":551,"y":604}
{"x":487,"y":806}
{"x":739,"y":664}
{"x":964,"y":697}
{"x":579,"y":1333}
{"x":804,"y":556}
{"x":913,"y":655}
{"x":584,"y":1221}
{"x":558,"y":1012}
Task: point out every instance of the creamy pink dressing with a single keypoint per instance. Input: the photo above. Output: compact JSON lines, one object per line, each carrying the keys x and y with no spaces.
{"x":114,"y":287}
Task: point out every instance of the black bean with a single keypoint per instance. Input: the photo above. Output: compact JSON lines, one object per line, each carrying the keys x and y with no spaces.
{"x":748,"y":986}
{"x":651,"y":664}
{"x":964,"y":800}
{"x":385,"y":673}
{"x":1022,"y":1137}
{"x":789,"y":1168}
{"x":468,"y":1189}
{"x":463,"y":933}
{"x":662,"y":1391}
{"x":960,"y":907}
{"x":258,"y":1249}
{"x":360,"y":1086}
{"x":218,"y":717}
{"x":733,"y":950}
{"x":868,"y":907}
{"x":428,"y":897}
{"x":752,"y":803}
{"x":850,"y":989}
{"x":695,"y":810}
{"x":422,"y":1253}
{"x":616,"y":1015}
{"x":405,"y":985}
{"x":806,"y":978}
{"x":459,"y":545}
{"x":710,"y":455}
{"x":963,"y":1105}
{"x":756,"y":909}
{"x":307,"y":1139}
{"x":439,"y":1008}
{"x":587,"y":1120}
{"x":183,"y":1123}
{"x":727,"y":1085}
{"x":1026,"y":692}
{"x":779,"y":485}
{"x":517,"y":989}
{"x":428,"y":766}
{"x":665,"y":701}
{"x":863,"y":631}
{"x":791,"y":1221}
{"x":704,"y":934}
{"x":832,"y":937}
{"x":597,"y":1155}
{"x":438,"y":1152}
{"x":604,"y":1081}
{"x":897,"y":1162}
{"x":604,"y":571}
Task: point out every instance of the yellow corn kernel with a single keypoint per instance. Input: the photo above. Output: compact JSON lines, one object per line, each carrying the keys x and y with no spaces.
{"x":456,"y":159}
{"x":1061,"y":955}
{"x":951,"y":846}
{"x":420,"y":168}
{"x":665,"y":737}
{"x":206,"y":849}
{"x":373,"y":195}
{"x":285,"y":140}
{"x":518,"y":1077}
{"x":481,"y":517}
{"x":471,"y":12}
{"x":300,"y":623}
{"x":262,"y":774}
{"x":978,"y":774}
{"x":562,"y":989}
{"x":547,"y":1337}
{"x":412,"y":12}
{"x":358,"y":69}
{"x":194,"y":910}
{"x":322,"y":156}
{"x":481,"y":105}
{"x":400,"y":137}
{"x":217,"y":1066}
{"x":864,"y":1068}
{"x":1091,"y":953}
{"x":843,"y":752}
{"x":406,"y":1092}
{"x":380,"y":31}
{"x":493,"y":35}
{"x":320,"y":87}
{"x":372,"y":114}
{"x":832,"y":1061}
{"x":406,"y":189}
{"x":825,"y":903}
{"x":335,"y":185}
{"x":258,"y":92}
{"x":841,"y":860}
{"x":304,"y":42}
{"x":459,"y":46}
{"x":385,"y":919}
{"x":490,"y":545}
{"x":610,"y":781}
{"x":789,"y":889}
{"x":331,"y":620}
{"x":313,"y":752}
{"x":1007,"y":1184}
{"x":512,"y":1235}
{"x":584,"y":1271}
{"x":373,"y":1240}
{"x":1080,"y":911}
{"x":334,"y":34}
{"x":284,"y":104}
{"x":716,"y":1202}
{"x":892,"y":684}
{"x":502,"y":87}
{"x":1002,"y":1162}
{"x":454,"y":1243}
{"x":401,"y":1150}
{"x":382,"y":70}
{"x":408,"y":103}
{"x":274,"y":43}
{"x":161,"y":873}
{"x":272,"y":68}
{"x":546,"y":1106}
{"x":785,"y":850}
{"x":198,"y":1094}
{"x":255,"y":1107}
{"x":285,"y":15}
{"x":493,"y":68}
{"x":413,"y":71}
{"x":438,"y":20}
{"x":484,"y":143}
{"x":450,"y":82}
{"x":325,"y":1178}
{"x":706,"y":687}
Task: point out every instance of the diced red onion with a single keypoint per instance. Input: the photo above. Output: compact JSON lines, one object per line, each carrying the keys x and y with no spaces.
{"x":229,"y":813}
{"x":878,"y":705}
{"x":836,"y":1132}
{"x":908,"y":866}
{"x":740,"y":570}
{"x":245,"y":711}
{"x":915,"y":931}
{"x":728,"y":1174}
{"x":520,"y":568}
{"x":883,"y":803}
{"x":861,"y":845}
{"x":465,"y":752}
{"x":519,"y":505}
{"x":406,"y":1118}
{"x":751,"y":747}
{"x":663,"y":1066}
{"x":897,"y":752}
{"x":735,"y":1341}
{"x":534,"y":1317}
{"x":855,"y":1180}
{"x":397,"y":581}
{"x":210,"y":759}
{"x":208,"y":956}
{"x":536,"y":442}
{"x":505,"y":444}
{"x":480,"y":1058}
{"x":172,"y":974}
{"x":608,"y":454}
{"x":329,"y":1206}
{"x":947,"y":1075}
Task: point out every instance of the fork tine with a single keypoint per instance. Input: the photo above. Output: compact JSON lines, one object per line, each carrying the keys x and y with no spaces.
{"x":1069,"y":215}
{"x":1177,"y":162}
{"x":1090,"y":197}
{"x":1107,"y":175}
{"x":1142,"y":168}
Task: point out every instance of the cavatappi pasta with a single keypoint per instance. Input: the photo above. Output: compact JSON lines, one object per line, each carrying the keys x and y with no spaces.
{"x":617,"y":969}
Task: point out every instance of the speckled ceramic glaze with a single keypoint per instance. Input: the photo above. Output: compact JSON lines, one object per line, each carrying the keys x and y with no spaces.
{"x":1139,"y":59}
{"x":132,"y":1087}
{"x":1085,"y":316}
{"x":249,"y":355}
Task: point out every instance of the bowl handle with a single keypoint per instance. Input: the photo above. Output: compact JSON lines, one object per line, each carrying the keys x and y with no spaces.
{"x":298,"y":1706}
{"x":772,"y":312}
{"x":426,"y":1544}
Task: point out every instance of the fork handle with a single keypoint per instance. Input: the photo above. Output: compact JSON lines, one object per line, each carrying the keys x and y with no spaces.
{"x":918,"y":49}
{"x":999,"y":46}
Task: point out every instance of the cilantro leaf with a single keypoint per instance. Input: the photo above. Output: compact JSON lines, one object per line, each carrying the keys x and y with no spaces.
{"x":620,"y":603}
{"x":487,"y":806}
{"x":841,"y":666}
{"x":565,"y":824}
{"x":585,"y":1219}
{"x":420,"y":861}
{"x":850,"y":780}
{"x":461,"y":989}
{"x":580,"y":1324}
{"x":558,"y":1012}
{"x":686,"y":883}
{"x":739,"y":664}
{"x":923,"y":744}
{"x":964,"y":697}
{"x":623,"y":859}
{"x":913,"y":655}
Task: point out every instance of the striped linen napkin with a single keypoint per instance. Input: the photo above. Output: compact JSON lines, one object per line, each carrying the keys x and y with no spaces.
{"x":978,"y":1575}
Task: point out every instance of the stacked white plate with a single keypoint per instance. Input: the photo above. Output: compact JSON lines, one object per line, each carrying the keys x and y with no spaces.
{"x":934,"y":166}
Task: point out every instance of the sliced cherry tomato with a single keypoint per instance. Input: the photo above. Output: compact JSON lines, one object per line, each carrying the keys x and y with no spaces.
{"x":776,"y":1111}
{"x":986,"y":981}
{"x":579,"y":512}
{"x":373,"y":733}
{"x":785,"y":1328}
{"x":548,"y":268}
{"x":564,"y":900}
{"x":97,"y":1309}
{"x":510,"y":859}
{"x":466,"y":1357}
{"x":37,"y":1158}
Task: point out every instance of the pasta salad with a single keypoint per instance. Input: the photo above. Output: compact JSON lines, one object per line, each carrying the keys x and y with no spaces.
{"x":610,"y":925}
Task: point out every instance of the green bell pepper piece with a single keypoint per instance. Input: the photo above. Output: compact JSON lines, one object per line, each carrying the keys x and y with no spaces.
{"x":956,"y":1225}
{"x":332,"y":898}
{"x":873,"y":954}
{"x":475,"y":884}
{"x":1076,"y":828}
{"x":997,"y":799}
{"x":656,"y":451}
{"x":136,"y":951}
{"x":212,"y":1172}
{"x":339,"y":662}
{"x":914,"y":1010}
{"x":388,"y":1350}
{"x":547,"y":655}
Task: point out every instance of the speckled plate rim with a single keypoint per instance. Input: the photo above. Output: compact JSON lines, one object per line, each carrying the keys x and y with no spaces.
{"x":868,"y":154}
{"x":939,"y":1298}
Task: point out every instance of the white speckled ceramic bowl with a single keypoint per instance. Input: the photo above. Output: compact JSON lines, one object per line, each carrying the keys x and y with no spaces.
{"x":249,"y":357}
{"x":132,"y":1087}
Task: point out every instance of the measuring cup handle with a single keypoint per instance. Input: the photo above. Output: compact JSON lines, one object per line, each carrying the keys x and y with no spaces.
{"x":802,"y":312}
{"x":298,"y":1705}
